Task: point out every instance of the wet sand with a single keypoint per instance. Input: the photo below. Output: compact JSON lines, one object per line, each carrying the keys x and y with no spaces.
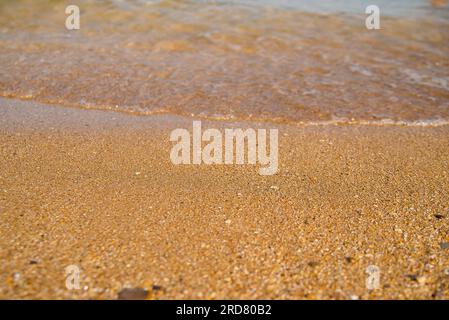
{"x":227,"y":60}
{"x":97,"y":189}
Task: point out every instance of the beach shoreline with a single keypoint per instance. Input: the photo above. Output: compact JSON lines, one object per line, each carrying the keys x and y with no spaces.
{"x":97,"y":189}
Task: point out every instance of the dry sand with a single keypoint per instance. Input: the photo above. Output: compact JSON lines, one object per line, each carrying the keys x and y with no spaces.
{"x":97,"y":189}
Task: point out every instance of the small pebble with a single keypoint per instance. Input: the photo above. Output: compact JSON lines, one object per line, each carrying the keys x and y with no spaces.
{"x":422,"y":280}
{"x":132,"y":294}
{"x":16,"y":276}
{"x":444,"y":245}
{"x":412,"y":277}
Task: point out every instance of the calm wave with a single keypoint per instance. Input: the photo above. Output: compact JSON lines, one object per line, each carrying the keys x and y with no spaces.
{"x":283,"y":61}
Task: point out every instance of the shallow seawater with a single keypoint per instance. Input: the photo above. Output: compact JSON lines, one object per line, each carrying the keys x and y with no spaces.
{"x":281,"y":61}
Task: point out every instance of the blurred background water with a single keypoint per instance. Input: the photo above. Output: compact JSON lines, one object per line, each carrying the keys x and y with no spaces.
{"x":266,"y":60}
{"x":399,"y":8}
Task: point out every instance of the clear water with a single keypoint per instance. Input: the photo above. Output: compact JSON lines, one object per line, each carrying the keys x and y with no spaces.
{"x":281,"y":61}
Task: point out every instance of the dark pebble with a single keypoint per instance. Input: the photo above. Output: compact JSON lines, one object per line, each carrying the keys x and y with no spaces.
{"x":412,"y":277}
{"x":132,"y":294}
{"x":444,"y":245}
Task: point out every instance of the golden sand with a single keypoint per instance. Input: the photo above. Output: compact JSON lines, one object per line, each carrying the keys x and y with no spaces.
{"x":97,"y":190}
